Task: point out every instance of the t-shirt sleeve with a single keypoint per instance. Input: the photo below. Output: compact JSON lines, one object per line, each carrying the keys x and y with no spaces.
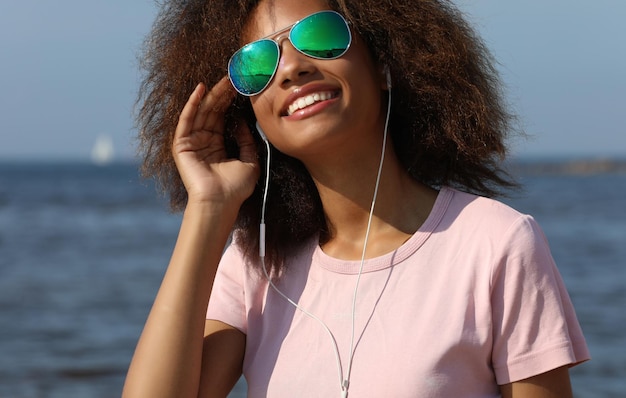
{"x":535,"y":327}
{"x":227,"y":302}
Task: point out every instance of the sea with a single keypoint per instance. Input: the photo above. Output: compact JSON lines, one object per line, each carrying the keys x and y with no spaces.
{"x":83,"y":249}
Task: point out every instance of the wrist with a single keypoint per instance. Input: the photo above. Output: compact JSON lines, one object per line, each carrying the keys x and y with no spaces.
{"x":213,"y":217}
{"x":209,"y":208}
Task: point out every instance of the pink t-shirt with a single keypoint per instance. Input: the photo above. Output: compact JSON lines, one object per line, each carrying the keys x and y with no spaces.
{"x":472,"y":300}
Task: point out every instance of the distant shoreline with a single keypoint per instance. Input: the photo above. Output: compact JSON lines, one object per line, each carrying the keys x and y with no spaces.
{"x":516,"y":166}
{"x":573,"y":166}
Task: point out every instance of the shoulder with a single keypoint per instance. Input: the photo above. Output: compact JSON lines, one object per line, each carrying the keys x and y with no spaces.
{"x":235,"y":267}
{"x":479,"y":207}
{"x":480,"y":216}
{"x":488,"y":231}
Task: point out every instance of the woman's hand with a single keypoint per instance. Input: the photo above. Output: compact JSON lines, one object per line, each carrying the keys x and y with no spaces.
{"x":198,"y":149}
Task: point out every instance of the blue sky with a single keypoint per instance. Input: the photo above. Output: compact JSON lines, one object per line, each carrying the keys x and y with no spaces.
{"x":68,"y":73}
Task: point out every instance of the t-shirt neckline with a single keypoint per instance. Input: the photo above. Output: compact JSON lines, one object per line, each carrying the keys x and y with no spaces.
{"x":409,"y":247}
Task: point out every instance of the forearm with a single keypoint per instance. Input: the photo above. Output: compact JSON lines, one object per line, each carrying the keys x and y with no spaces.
{"x":167,"y":360}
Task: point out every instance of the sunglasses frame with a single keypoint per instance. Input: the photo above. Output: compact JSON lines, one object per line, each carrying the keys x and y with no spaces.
{"x":278,"y":48}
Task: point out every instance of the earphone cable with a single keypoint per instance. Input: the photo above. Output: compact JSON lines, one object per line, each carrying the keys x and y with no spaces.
{"x":276,"y":289}
{"x":344,"y":382}
{"x":367,"y":233}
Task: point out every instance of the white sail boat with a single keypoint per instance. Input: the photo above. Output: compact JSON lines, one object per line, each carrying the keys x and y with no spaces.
{"x":103,"y":152}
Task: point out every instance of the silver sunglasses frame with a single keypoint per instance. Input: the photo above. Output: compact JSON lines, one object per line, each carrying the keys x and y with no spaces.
{"x":277,"y":42}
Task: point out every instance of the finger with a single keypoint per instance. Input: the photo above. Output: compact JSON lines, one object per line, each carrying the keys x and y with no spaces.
{"x":247,"y":145}
{"x":188,"y":114}
{"x":214,"y":105}
{"x":221,"y":97}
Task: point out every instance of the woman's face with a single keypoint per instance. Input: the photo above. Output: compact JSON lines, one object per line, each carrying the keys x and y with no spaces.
{"x":346,"y":118}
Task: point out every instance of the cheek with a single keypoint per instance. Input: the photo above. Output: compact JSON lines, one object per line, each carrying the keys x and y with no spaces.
{"x":365,"y":87}
{"x":262,"y":106}
{"x":362,"y":72}
{"x":263,"y":112}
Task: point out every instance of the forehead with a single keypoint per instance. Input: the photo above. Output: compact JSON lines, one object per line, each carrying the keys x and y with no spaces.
{"x":273,"y":15}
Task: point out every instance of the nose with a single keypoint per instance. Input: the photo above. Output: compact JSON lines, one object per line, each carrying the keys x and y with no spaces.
{"x":293,"y":65}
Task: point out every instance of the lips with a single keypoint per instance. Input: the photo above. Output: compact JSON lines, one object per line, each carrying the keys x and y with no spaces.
{"x":309,"y":95}
{"x":310,"y":99}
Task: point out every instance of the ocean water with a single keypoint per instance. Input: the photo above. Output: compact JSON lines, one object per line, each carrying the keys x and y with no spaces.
{"x":83,"y":250}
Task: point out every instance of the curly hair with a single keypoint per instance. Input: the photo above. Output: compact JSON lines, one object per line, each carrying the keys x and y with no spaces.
{"x":449,"y":120}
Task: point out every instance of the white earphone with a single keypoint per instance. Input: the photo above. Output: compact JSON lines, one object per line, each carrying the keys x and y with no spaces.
{"x":344,"y":378}
{"x":261,"y":132}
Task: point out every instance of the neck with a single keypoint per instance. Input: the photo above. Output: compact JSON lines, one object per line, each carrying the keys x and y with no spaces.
{"x":402,"y":205}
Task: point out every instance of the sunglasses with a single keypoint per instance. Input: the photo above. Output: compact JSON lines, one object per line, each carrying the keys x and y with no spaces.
{"x":322,"y":35}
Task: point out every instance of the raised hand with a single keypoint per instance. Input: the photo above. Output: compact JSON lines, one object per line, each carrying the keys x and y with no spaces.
{"x":198,"y":149}
{"x":168,"y":361}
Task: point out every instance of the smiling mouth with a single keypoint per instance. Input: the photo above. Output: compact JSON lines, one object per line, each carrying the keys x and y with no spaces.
{"x":309,"y":100}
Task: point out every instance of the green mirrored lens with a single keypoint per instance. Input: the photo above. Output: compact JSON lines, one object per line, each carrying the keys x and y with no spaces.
{"x":322,"y":35}
{"x":253,"y":66}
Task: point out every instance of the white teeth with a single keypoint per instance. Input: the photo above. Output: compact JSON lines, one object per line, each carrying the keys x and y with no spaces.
{"x":308,"y":100}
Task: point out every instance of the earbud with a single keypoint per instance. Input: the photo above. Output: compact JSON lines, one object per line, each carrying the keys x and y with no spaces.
{"x":261,"y":133}
{"x":388,"y":75}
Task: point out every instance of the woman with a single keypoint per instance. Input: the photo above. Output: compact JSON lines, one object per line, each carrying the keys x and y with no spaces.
{"x":371,"y":275}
